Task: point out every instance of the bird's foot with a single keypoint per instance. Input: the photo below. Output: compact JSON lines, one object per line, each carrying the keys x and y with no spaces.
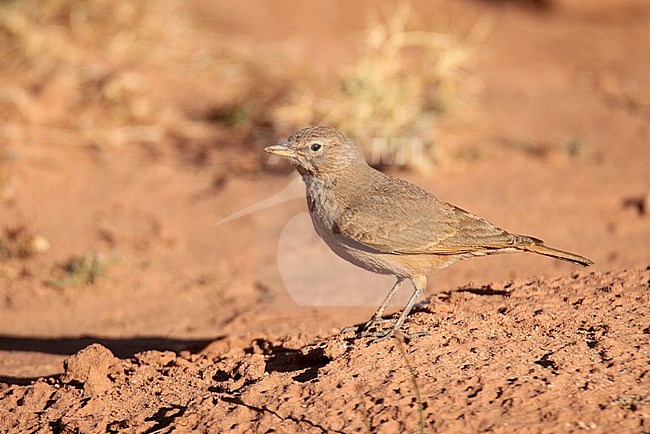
{"x":380,"y":335}
{"x":366,"y":328}
{"x":371,"y":329}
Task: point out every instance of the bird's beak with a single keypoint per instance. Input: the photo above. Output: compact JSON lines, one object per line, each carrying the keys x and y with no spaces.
{"x":282,"y":150}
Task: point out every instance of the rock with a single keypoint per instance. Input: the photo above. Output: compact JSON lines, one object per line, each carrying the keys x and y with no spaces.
{"x":90,"y":367}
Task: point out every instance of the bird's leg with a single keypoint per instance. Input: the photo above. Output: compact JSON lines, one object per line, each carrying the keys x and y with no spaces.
{"x":419,"y":289}
{"x":379,"y":313}
{"x":377,"y":317}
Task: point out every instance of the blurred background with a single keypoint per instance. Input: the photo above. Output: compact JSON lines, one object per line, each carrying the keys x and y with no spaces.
{"x":129,"y":129}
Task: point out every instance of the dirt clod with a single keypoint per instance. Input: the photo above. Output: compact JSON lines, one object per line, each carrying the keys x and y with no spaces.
{"x":90,"y":368}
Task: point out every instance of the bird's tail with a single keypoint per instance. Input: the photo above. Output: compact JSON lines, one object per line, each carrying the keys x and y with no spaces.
{"x":539,"y":247}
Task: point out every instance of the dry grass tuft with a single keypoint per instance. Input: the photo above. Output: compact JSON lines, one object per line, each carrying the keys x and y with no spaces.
{"x":83,"y":270}
{"x":402,"y":82}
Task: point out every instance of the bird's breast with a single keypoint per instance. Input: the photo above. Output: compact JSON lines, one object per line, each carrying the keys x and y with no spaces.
{"x":324,"y":208}
{"x":322,"y":204}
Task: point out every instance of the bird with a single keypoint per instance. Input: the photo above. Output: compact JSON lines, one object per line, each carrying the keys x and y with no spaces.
{"x":388,"y":225}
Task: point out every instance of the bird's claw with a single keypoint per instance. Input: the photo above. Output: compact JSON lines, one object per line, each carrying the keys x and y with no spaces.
{"x":369,"y":330}
{"x":365,"y":329}
{"x":380,"y":335}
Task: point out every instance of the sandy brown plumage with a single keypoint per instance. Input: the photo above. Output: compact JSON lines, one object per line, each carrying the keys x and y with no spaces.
{"x":388,"y":225}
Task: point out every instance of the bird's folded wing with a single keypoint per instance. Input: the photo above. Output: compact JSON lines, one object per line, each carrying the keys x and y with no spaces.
{"x":420,"y":225}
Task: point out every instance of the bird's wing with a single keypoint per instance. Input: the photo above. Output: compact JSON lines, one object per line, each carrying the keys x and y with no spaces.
{"x":418,"y":223}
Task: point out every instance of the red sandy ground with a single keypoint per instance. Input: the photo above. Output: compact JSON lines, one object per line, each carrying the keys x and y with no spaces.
{"x":197,"y":333}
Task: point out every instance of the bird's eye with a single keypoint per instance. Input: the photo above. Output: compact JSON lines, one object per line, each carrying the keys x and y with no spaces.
{"x":315,"y":147}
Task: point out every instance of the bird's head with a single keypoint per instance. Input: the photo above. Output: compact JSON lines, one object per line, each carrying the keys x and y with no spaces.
{"x":318,"y":151}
